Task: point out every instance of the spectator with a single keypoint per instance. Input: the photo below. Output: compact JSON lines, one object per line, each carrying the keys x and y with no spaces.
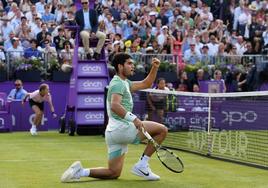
{"x":47,"y":16}
{"x":42,"y":35}
{"x":48,"y":50}
{"x":89,"y":28}
{"x":157,"y":102}
{"x":192,"y":56}
{"x":18,"y":93}
{"x":218,"y":77}
{"x":183,"y":79}
{"x":15,"y":52}
{"x":67,"y":53}
{"x":32,"y":52}
{"x":59,"y":39}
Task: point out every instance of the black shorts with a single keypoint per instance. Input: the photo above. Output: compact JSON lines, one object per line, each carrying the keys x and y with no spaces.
{"x":39,"y":105}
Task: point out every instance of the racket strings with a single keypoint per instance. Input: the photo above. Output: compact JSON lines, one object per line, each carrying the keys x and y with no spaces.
{"x":170,"y":160}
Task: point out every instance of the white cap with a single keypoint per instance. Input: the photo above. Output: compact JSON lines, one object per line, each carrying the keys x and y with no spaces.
{"x":164,"y":27}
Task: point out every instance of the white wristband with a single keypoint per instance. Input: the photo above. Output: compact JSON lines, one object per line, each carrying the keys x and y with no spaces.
{"x":130,"y":117}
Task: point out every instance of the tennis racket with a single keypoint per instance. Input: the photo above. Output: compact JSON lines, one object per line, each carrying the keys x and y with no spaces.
{"x":167,"y":157}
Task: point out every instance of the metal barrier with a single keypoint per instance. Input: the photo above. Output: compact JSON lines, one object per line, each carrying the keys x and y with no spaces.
{"x":46,"y":62}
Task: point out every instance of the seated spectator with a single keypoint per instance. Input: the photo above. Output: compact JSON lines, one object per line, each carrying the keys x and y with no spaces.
{"x":59,"y":39}
{"x":192,"y":56}
{"x":196,"y":88}
{"x":41,"y":36}
{"x":48,"y":50}
{"x":15,"y":52}
{"x":183,"y":79}
{"x":48,"y":17}
{"x":87,"y":19}
{"x":18,"y":93}
{"x":67,"y":53}
{"x":32,"y":52}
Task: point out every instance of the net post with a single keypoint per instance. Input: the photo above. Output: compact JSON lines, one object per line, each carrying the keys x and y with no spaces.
{"x":209,"y":114}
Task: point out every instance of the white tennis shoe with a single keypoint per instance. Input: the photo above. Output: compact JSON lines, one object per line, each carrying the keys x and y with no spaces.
{"x":33,"y":131}
{"x":72,"y":173}
{"x":145,"y":172}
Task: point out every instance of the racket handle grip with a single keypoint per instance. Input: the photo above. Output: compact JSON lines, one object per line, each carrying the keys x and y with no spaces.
{"x":146,"y":134}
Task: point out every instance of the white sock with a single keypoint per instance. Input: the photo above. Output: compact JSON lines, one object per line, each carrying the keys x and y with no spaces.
{"x":33,"y":126}
{"x":85,"y":172}
{"x":144,"y":160}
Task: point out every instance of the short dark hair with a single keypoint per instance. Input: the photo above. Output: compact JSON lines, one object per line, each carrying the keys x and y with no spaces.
{"x":119,"y":59}
{"x":160,"y":79}
{"x":43,"y":87}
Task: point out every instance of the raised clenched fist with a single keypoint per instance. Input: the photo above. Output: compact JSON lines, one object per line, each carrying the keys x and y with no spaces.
{"x":155,"y":62}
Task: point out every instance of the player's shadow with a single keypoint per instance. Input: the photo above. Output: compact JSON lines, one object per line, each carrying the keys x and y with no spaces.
{"x":118,"y":181}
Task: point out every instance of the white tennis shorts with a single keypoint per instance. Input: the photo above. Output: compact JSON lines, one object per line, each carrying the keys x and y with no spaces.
{"x":118,"y":139}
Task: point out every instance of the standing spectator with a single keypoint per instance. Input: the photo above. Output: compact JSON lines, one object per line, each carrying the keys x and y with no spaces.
{"x":18,"y":93}
{"x":157,"y":101}
{"x":218,"y":77}
{"x":87,"y":19}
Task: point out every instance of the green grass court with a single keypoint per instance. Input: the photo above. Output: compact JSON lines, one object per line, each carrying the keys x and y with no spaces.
{"x":38,"y":162}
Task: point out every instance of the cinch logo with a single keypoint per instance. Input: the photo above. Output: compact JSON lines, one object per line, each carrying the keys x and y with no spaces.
{"x":31,"y":119}
{"x":92,"y":116}
{"x":2,"y":122}
{"x":93,"y":99}
{"x":2,"y":102}
{"x":92,"y":84}
{"x":234,"y":116}
{"x":90,"y":68}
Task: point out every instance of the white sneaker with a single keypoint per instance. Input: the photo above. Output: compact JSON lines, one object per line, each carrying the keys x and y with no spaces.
{"x":33,"y":131}
{"x":145,"y":172}
{"x":72,"y":173}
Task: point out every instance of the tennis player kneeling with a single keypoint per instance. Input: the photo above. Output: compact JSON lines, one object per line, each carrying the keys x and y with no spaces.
{"x":123,"y":127}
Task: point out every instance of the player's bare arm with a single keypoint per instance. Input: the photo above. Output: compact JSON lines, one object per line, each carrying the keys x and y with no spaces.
{"x":149,"y":80}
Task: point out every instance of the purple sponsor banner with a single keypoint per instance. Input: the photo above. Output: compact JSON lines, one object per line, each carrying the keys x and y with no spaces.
{"x":21,"y":115}
{"x":233,"y":115}
{"x":211,"y":86}
{"x":189,"y":103}
{"x":186,"y":120}
{"x":91,"y":101}
{"x":93,"y":85}
{"x":90,"y":117}
{"x":139,"y":109}
{"x":24,"y":121}
{"x":244,"y":115}
{"x":92,"y":69}
{"x":5,"y":122}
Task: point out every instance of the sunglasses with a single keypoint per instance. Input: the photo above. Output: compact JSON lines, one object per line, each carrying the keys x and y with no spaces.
{"x":17,"y":84}
{"x":84,"y":3}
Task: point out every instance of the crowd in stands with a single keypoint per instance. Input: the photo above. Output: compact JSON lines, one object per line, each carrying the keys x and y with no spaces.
{"x":194,"y":29}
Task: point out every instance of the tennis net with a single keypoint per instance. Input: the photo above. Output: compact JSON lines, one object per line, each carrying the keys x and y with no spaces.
{"x":231,"y":126}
